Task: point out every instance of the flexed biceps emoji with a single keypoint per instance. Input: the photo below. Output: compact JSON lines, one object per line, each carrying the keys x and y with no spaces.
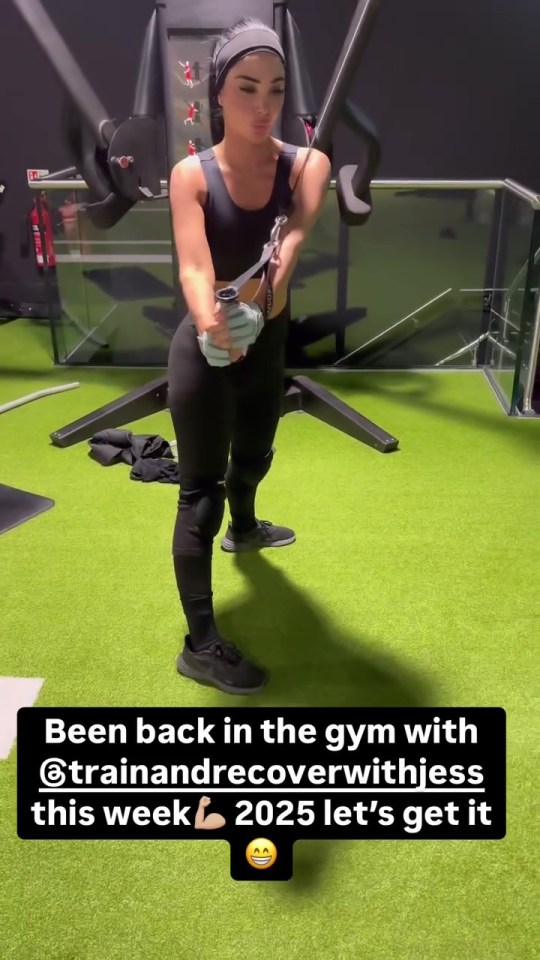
{"x":214,"y":821}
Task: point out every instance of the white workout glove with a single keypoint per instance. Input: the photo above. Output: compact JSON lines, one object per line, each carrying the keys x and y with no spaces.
{"x":245,"y":322}
{"x":216,"y":356}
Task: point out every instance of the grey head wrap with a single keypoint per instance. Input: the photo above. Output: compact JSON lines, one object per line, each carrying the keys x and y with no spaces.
{"x":249,"y":40}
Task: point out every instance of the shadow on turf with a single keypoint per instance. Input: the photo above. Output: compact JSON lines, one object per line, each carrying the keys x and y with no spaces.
{"x":312,"y":662}
{"x":419,"y":391}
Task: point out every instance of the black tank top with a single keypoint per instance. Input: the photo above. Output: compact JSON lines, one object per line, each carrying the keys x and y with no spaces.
{"x":236,"y":236}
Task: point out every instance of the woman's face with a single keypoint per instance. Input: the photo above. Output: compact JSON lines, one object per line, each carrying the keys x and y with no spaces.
{"x":252,"y":96}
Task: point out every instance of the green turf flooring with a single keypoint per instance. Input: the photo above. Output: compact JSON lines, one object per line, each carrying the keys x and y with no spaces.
{"x":414,"y":581}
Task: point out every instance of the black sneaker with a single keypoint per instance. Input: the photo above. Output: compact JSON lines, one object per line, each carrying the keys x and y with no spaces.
{"x":221,"y":665}
{"x":264,"y":534}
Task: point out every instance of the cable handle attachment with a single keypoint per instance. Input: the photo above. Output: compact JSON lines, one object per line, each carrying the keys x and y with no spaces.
{"x":276,"y":229}
{"x":228,"y":295}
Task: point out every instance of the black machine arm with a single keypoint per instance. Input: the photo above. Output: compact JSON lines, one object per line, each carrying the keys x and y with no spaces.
{"x":352,"y":181}
{"x":118,"y":161}
{"x":300,"y":108}
{"x":303,"y":121}
{"x":69,"y":73}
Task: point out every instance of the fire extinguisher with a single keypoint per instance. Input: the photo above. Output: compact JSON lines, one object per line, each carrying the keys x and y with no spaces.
{"x":47,"y":230}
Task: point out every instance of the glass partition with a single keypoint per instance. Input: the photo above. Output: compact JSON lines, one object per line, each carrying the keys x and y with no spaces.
{"x":119,"y":301}
{"x":511,"y":295}
{"x":416,"y":278}
{"x":526,"y":381}
{"x":441,"y":275}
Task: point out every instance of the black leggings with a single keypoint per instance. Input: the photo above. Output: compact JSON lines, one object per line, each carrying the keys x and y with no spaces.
{"x":217,"y":411}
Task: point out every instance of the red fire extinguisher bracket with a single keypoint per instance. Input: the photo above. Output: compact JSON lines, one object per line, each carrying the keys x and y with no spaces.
{"x":44,"y":229}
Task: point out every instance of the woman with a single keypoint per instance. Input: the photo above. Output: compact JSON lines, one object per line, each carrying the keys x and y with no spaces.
{"x":226,"y":367}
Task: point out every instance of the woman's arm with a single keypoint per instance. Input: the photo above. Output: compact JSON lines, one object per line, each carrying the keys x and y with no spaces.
{"x":309,"y":196}
{"x":196,"y":270}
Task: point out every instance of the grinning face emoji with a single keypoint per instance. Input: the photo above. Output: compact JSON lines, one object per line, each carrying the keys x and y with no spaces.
{"x":261,"y":854}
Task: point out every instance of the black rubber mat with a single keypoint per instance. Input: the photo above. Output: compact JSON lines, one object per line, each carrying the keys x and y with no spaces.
{"x":129,"y":283}
{"x":18,"y":506}
{"x":164,"y":319}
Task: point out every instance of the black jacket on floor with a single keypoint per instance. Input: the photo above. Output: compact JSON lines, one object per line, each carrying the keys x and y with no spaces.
{"x":149,"y":455}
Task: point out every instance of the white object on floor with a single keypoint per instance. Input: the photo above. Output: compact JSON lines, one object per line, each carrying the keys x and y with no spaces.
{"x":35,"y":396}
{"x":15,"y":692}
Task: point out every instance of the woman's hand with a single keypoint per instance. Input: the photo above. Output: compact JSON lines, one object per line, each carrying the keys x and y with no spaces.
{"x":217,"y":329}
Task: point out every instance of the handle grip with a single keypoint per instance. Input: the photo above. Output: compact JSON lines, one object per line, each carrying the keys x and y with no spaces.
{"x":227,"y":295}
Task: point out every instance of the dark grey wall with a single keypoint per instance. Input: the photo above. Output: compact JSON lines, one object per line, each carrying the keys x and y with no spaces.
{"x":452,"y":88}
